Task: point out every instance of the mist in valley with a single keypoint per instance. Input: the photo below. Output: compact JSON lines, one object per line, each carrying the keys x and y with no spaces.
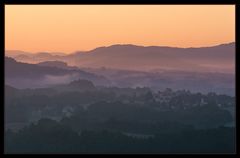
{"x":121,"y":99}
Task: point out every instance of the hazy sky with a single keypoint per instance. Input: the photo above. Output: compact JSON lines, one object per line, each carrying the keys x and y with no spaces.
{"x":68,"y":28}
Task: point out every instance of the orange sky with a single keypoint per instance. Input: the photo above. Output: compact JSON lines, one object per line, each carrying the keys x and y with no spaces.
{"x":67,"y":28}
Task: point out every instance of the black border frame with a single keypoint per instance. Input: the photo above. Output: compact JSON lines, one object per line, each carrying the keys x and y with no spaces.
{"x":130,"y":2}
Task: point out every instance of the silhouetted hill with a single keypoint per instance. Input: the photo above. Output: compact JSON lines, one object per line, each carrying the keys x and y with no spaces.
{"x":23,"y":70}
{"x":20,"y":74}
{"x":53,"y":63}
{"x":58,"y":64}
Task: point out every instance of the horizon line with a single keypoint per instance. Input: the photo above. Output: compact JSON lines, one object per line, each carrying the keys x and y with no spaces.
{"x":118,"y":44}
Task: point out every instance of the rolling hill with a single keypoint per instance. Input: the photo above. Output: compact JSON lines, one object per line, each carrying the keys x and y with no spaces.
{"x":23,"y":75}
{"x":220,"y":58}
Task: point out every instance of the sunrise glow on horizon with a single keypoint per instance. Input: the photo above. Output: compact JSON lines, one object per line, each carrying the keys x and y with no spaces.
{"x":69,"y":28}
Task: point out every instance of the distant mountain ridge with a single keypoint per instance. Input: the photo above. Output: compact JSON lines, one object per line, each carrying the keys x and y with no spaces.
{"x":133,"y":57}
{"x":33,"y":57}
{"x":217,"y":58}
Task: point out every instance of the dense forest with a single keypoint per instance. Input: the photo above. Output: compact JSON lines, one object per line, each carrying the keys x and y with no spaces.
{"x":48,"y":136}
{"x":80,"y":117}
